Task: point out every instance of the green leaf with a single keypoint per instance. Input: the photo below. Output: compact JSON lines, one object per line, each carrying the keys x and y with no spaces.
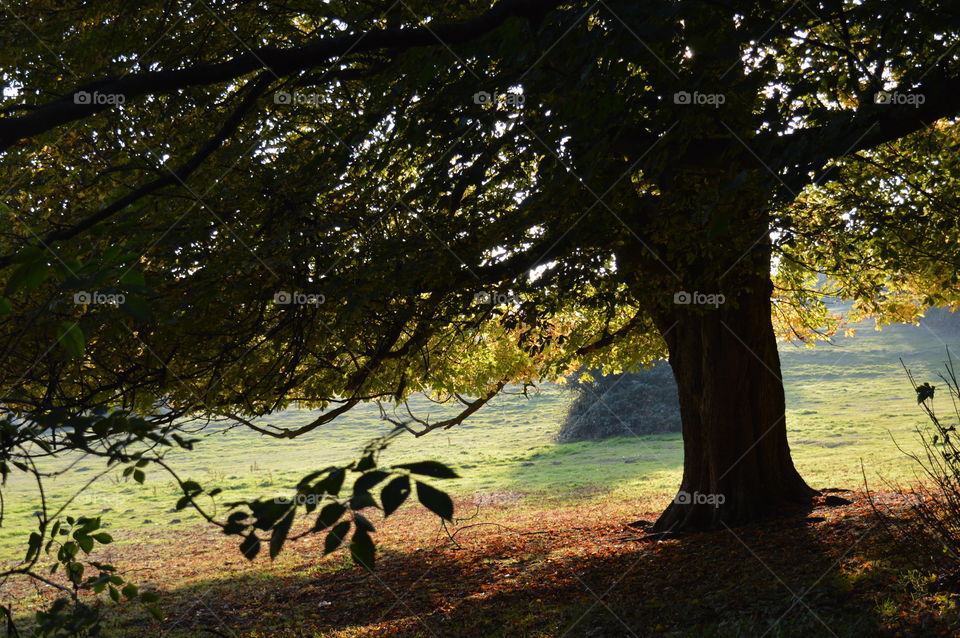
{"x":67,"y":550}
{"x":362,"y":548}
{"x":27,"y":276}
{"x":394,"y":494}
{"x":250,"y":546}
{"x":430,"y":468}
{"x":187,"y":444}
{"x":75,"y":572}
{"x":5,"y":306}
{"x":436,"y":501}
{"x":27,"y":253}
{"x":362,"y":522}
{"x":114,"y":594}
{"x":87,"y":525}
{"x":191,"y":487}
{"x":133,"y":278}
{"x":366,"y":463}
{"x":267,"y":513}
{"x":368,"y":480}
{"x":70,"y":337}
{"x":85,"y":543}
{"x":280,"y":531}
{"x":154,"y":612}
{"x":33,"y":546}
{"x":335,"y":537}
{"x":361,"y":500}
{"x":333,"y":483}
{"x":103,"y":538}
{"x":138,"y":308}
{"x":329,"y":515}
{"x":138,"y":476}
{"x":129,"y":590}
{"x":305,"y":481}
{"x":68,"y":267}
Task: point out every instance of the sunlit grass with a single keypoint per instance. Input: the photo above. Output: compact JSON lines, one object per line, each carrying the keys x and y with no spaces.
{"x":845,"y":402}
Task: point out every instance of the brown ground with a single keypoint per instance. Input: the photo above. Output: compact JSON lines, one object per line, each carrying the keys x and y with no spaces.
{"x":519,"y":570}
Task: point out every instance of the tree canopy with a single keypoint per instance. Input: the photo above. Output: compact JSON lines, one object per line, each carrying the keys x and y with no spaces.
{"x":245,"y":159}
{"x":405,"y":165}
{"x":230,"y":208}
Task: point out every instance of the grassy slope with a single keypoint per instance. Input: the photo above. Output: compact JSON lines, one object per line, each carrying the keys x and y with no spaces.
{"x":844,"y":401}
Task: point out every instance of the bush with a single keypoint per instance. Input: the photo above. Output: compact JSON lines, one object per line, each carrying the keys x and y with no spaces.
{"x":626,"y":404}
{"x":933,"y":530}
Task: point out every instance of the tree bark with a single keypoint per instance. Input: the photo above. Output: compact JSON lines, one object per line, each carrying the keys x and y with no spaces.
{"x":737,"y":465}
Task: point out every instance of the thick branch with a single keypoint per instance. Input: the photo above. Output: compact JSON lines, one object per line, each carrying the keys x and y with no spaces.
{"x":280,"y":63}
{"x":872,"y":125}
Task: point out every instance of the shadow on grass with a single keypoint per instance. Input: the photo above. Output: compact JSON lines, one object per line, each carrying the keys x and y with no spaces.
{"x":778,"y":578}
{"x":601,"y":464}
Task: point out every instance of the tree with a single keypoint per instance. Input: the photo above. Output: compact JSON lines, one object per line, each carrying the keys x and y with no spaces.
{"x":327,"y":204}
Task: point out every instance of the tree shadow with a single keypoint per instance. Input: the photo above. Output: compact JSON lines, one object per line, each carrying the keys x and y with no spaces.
{"x":780,"y":577}
{"x":600,"y":464}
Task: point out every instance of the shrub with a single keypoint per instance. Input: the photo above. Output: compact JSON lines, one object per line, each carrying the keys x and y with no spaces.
{"x":626,"y":404}
{"x":933,"y":529}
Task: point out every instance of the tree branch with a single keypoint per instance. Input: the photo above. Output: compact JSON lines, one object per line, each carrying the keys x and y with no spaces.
{"x":179,"y":175}
{"x":279,"y":62}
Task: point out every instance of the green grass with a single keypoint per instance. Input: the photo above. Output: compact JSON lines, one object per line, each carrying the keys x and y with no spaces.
{"x":847,"y":402}
{"x":844,"y":403}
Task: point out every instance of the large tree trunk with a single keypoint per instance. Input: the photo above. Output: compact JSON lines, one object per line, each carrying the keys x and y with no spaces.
{"x":737,"y":464}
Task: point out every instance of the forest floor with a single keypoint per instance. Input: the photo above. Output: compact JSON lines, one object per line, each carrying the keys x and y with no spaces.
{"x":521,"y":567}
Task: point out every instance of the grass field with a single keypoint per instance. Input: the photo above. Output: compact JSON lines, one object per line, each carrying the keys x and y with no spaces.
{"x":845,"y":402}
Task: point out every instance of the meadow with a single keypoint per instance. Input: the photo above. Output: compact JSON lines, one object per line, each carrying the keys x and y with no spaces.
{"x":847,"y":403}
{"x":540,"y":526}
